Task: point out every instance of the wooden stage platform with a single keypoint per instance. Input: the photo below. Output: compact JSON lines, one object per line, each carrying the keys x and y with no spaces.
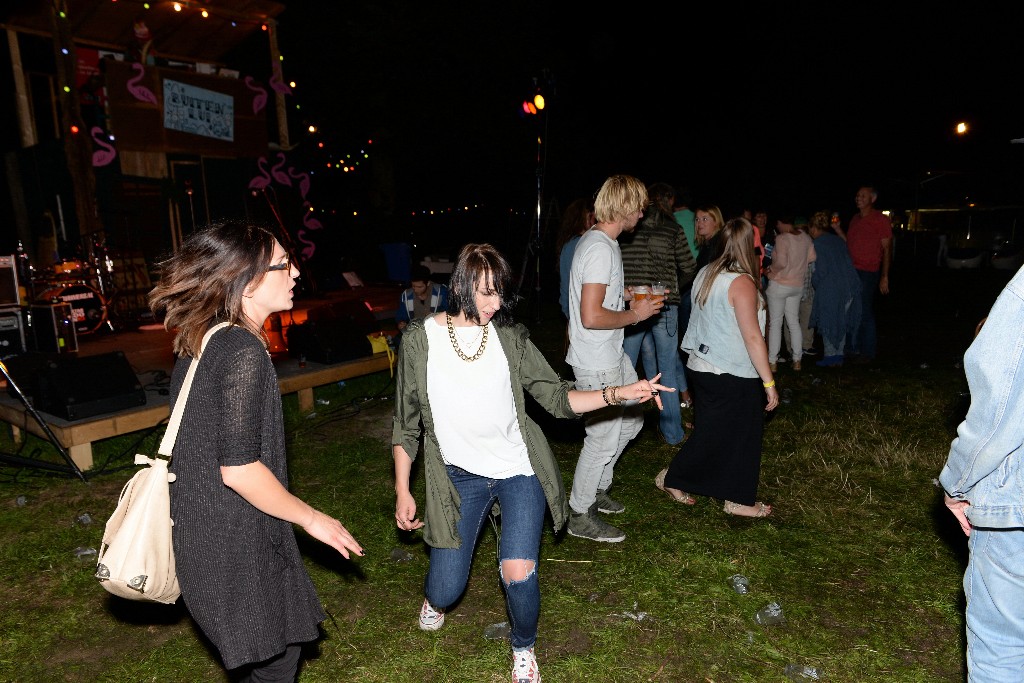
{"x":149,"y":352}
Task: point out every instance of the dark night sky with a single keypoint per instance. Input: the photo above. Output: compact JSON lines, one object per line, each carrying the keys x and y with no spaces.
{"x":782,"y":109}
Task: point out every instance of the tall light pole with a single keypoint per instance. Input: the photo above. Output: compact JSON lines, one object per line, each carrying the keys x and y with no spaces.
{"x":534,"y":106}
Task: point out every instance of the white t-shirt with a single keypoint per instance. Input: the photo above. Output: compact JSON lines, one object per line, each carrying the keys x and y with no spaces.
{"x":474,"y":413}
{"x":597,"y":260}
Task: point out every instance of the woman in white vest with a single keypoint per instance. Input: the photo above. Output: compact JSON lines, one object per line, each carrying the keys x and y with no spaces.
{"x":731,"y":382}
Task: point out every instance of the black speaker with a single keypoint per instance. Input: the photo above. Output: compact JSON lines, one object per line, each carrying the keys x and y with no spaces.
{"x":53,"y":328}
{"x":352,"y":311}
{"x":12,"y":331}
{"x":9,"y":294}
{"x":330,"y":340}
{"x":26,"y":370}
{"x":77,"y":387}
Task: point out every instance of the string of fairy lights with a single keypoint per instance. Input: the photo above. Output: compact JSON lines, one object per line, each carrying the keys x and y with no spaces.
{"x":350,"y":162}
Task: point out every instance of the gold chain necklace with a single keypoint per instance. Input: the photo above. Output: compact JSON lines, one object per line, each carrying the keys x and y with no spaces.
{"x":455,"y":342}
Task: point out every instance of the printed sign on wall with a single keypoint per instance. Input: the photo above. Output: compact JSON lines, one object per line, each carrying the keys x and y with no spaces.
{"x":198,"y":111}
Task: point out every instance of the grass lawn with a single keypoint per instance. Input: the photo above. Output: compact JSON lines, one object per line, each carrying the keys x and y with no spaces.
{"x":859,"y":552}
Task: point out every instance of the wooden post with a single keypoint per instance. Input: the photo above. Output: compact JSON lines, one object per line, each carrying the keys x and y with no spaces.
{"x":77,"y":148}
{"x":26,"y":131}
{"x":277,"y":68}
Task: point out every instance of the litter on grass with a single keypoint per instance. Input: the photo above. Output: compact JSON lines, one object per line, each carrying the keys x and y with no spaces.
{"x":85,"y":554}
{"x":770,"y":615}
{"x":799,"y":672}
{"x":500,"y":631}
{"x":739,"y":583}
{"x":401,"y":555}
{"x":634,"y":614}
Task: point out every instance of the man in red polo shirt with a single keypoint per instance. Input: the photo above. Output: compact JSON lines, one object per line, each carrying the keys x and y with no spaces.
{"x":869,"y":240}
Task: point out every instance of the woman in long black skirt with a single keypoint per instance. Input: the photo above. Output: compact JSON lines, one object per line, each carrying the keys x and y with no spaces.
{"x":731,"y":381}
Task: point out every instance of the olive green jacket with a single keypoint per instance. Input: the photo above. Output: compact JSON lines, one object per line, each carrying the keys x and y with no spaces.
{"x":530,"y":372}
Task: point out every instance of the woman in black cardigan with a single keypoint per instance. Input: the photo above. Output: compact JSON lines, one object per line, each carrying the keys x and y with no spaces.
{"x":239,"y":567}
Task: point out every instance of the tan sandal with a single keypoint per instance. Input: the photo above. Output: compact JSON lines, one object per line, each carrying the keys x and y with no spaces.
{"x":759,"y":509}
{"x":685,"y":499}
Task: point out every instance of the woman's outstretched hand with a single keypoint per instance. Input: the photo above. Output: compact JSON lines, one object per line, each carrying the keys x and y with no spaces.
{"x":645,"y":389}
{"x":331,"y":531}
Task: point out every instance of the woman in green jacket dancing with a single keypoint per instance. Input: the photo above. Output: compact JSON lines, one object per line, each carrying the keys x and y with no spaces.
{"x":462,"y":375}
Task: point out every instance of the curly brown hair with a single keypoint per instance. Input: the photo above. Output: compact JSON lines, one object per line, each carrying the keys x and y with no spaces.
{"x":203,"y":283}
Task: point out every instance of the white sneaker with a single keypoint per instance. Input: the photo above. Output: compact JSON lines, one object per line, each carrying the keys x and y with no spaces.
{"x":524,"y":666}
{"x":430,"y":619}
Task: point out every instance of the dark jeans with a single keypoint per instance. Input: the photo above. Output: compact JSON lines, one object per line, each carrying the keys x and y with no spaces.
{"x":657,"y":341}
{"x":865,"y":341}
{"x":522,"y":522}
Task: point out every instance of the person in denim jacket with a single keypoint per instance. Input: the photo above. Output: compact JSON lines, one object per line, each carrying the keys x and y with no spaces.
{"x":984,"y":489}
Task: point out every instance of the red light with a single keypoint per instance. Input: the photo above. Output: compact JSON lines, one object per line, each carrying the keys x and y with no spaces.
{"x":74,"y":130}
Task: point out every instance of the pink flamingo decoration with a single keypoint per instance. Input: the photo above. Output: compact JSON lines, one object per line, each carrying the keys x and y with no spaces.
{"x":139,"y":92}
{"x":259,"y":100}
{"x":307,"y":217}
{"x":303,"y":179}
{"x":307,"y":251}
{"x":263,"y":179}
{"x":277,"y":82}
{"x":105,"y":152}
{"x":278,"y":173}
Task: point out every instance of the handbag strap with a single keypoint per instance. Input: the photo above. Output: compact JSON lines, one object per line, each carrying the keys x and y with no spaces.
{"x":167,"y":443}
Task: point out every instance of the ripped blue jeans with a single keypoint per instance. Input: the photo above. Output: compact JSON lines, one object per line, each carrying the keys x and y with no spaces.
{"x":523,"y":507}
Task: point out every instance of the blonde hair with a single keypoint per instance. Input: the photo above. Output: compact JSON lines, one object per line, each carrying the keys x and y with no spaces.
{"x":821,"y":220}
{"x":619,"y":196}
{"x":737,"y":256}
{"x":715,"y":213}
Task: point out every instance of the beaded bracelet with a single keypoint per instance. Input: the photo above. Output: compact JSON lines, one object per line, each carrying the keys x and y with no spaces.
{"x":604,"y":395}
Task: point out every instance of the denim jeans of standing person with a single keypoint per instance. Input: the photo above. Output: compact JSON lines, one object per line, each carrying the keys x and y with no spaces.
{"x":657,"y":341}
{"x":865,"y":342}
{"x":522,"y":505}
{"x":609,"y":431}
{"x":995,"y":595}
{"x":834,"y":347}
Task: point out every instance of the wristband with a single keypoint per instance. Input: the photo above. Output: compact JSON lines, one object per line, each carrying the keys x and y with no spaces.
{"x":769,"y":385}
{"x":637,"y":316}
